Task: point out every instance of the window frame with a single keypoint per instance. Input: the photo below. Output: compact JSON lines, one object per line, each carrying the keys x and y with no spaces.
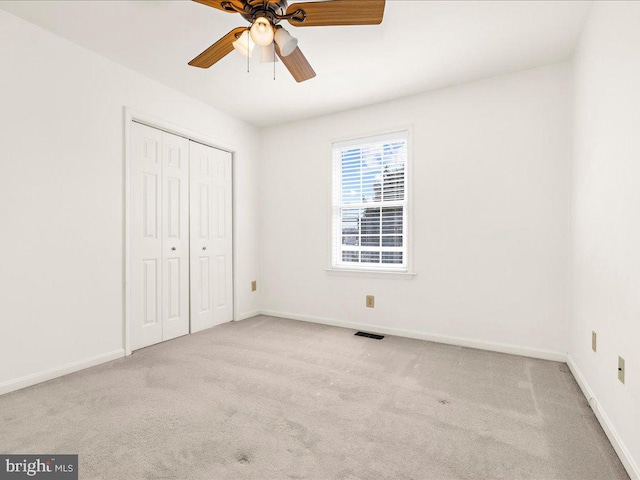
{"x":336,"y":266}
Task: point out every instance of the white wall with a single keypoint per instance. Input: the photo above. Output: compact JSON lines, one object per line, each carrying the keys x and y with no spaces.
{"x":605,"y":220}
{"x":61,"y":197}
{"x":490,"y":216}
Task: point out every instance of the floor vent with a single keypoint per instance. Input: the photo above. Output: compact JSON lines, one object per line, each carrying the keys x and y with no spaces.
{"x":369,"y":335}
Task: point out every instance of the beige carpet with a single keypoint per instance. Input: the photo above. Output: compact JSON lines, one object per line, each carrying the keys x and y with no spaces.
{"x":268,"y":398}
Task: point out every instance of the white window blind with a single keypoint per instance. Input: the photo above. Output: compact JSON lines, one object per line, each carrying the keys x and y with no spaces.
{"x":370,"y":203}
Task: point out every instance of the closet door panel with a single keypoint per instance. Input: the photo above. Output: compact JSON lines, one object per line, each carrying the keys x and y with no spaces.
{"x":146,"y":236}
{"x":201,"y":239}
{"x":222,"y":237}
{"x":175,"y":279}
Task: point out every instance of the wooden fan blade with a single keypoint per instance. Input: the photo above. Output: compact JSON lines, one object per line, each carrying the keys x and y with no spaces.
{"x":338,"y":12}
{"x":218,"y":4}
{"x":297,"y":65}
{"x":218,"y":50}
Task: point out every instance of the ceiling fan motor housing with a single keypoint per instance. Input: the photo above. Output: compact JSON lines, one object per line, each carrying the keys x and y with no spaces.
{"x":271,"y":10}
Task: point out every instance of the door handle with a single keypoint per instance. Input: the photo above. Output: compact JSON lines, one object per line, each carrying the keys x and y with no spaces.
{"x":204,"y":248}
{"x":173,"y":248}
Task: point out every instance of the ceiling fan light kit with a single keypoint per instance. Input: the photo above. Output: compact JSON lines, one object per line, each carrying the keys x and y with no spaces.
{"x":244,"y":44}
{"x":268,"y":54}
{"x":286,"y":43}
{"x":262,"y":32}
{"x":265,"y":16}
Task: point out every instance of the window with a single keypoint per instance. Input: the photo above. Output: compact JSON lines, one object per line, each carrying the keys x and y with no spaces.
{"x":370,"y":203}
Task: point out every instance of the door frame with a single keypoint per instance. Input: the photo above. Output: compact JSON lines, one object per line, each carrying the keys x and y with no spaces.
{"x":131,"y":115}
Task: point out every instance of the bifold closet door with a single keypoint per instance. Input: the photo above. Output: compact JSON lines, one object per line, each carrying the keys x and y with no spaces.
{"x":159,"y":236}
{"x":211,"y":237}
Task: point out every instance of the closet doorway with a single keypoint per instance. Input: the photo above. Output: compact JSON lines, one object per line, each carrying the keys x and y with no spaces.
{"x":180,"y":236}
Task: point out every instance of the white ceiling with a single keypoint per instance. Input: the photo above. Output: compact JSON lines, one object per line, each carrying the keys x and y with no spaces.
{"x":420,"y":46}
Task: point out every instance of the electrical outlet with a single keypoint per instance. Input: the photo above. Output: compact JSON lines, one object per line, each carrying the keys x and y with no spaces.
{"x":594,"y":341}
{"x":621,"y":369}
{"x":254,"y":286}
{"x":370,"y":301}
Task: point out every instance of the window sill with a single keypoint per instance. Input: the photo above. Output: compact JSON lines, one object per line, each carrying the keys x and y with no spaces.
{"x":348,"y":272}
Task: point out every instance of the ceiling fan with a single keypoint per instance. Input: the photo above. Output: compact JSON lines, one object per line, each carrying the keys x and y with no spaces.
{"x":265,"y":30}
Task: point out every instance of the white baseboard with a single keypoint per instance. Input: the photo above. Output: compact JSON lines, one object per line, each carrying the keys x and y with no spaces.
{"x":55,"y":372}
{"x":618,"y":445}
{"x":246,"y":315}
{"x":458,"y":341}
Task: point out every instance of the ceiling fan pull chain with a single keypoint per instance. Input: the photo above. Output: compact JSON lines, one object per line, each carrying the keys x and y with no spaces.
{"x":248,"y":51}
